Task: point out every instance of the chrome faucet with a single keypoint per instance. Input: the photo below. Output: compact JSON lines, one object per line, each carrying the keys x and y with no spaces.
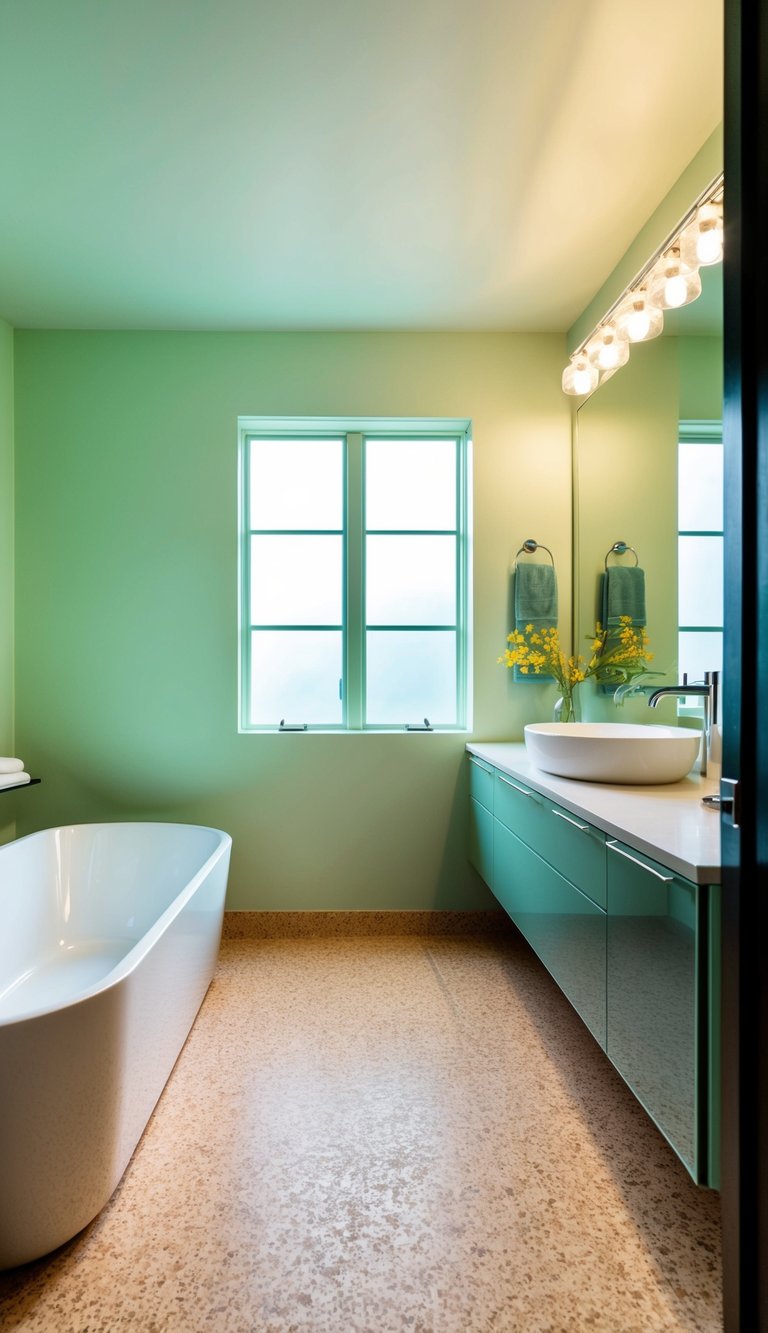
{"x":708,"y":690}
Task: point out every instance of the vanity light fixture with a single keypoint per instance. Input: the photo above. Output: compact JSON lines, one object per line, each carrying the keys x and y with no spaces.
{"x":668,"y":280}
{"x":639,"y":319}
{"x":608,"y":349}
{"x":580,"y":376}
{"x":673,"y":283}
{"x":702,"y":241}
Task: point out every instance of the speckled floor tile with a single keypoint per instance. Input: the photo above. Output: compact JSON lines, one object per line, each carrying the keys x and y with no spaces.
{"x":294,"y":925}
{"x":374,"y":1135}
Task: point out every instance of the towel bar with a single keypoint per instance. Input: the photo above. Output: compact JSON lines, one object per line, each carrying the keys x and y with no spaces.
{"x":621,"y":548}
{"x":529,"y":546}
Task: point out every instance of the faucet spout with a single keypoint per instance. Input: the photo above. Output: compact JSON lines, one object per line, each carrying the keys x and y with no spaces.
{"x":666,"y":691}
{"x":708,"y":691}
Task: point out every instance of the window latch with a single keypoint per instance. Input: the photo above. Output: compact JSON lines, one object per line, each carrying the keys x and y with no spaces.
{"x":426,"y":725}
{"x":291,"y":726}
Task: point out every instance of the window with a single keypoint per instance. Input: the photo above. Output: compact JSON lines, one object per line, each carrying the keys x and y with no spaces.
{"x":700,"y":550}
{"x":354,"y":574}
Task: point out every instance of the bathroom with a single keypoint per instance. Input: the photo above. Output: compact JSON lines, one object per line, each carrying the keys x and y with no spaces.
{"x":120,"y":526}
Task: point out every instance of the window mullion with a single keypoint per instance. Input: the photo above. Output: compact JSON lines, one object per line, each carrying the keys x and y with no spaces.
{"x":461,"y":585}
{"x":244,"y":580}
{"x":409,"y":666}
{"x":354,"y":582}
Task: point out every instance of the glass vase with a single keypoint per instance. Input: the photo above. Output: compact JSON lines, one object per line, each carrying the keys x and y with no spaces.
{"x":567,"y":708}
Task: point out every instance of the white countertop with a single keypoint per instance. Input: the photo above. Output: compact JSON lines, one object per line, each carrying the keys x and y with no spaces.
{"x":667,"y":823}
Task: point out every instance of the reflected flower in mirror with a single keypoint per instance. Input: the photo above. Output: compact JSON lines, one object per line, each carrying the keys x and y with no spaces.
{"x":618,"y":656}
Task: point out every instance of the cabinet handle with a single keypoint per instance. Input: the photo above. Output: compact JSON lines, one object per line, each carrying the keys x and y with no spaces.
{"x":521,"y":790}
{"x":479,"y":764}
{"x":614,"y":847}
{"x":583,"y":828}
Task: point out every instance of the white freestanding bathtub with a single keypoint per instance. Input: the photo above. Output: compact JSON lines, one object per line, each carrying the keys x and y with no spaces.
{"x":108,"y":939}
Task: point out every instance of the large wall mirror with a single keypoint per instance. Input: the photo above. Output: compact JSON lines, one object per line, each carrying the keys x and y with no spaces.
{"x":642,"y":478}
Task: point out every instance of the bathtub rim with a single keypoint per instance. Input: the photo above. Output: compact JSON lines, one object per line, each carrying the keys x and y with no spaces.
{"x":138,"y":951}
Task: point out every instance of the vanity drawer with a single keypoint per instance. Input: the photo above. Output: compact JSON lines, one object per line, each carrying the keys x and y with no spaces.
{"x":656,"y":1032}
{"x":521,"y":810}
{"x":574,"y":847}
{"x":481,"y":781}
{"x":565,"y":928}
{"x":481,"y":840}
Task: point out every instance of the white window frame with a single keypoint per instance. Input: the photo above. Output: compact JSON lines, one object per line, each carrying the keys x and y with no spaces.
{"x":355,"y":430}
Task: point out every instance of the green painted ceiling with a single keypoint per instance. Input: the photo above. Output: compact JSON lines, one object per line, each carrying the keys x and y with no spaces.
{"x":270,"y":164}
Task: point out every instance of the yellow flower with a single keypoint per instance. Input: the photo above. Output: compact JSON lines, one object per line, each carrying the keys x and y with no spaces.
{"x":616,"y":655}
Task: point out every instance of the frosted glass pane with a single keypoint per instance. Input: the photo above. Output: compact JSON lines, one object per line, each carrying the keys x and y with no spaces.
{"x":700,"y":487}
{"x":295,"y":675}
{"x":297,"y":484}
{"x":411,"y":675}
{"x":296,"y":580}
{"x":411,"y":580}
{"x":700,"y":581}
{"x":410,"y":484}
{"x":699,"y":653}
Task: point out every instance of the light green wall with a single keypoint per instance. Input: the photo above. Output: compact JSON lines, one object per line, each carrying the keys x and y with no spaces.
{"x":7,"y":802}
{"x":6,"y":539}
{"x":126,"y":597}
{"x":701,"y":378}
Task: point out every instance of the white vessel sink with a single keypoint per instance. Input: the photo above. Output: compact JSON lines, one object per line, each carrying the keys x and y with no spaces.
{"x":612,"y":751}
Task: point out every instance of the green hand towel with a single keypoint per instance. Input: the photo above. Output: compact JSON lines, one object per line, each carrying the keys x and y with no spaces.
{"x":623,"y":594}
{"x":535,"y":596}
{"x":535,"y":604}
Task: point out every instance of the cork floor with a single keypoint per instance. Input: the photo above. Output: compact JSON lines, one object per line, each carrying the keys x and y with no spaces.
{"x":387,"y":1134}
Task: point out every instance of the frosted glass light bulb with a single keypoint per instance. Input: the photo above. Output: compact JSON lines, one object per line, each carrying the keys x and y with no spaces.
{"x":608,"y":356}
{"x":702,"y":240}
{"x":709,"y":247}
{"x":673,"y":283}
{"x":582,"y":380}
{"x":638,"y":324}
{"x":675,"y":290}
{"x":608,"y":349}
{"x":639,"y":319}
{"x":579,"y":376}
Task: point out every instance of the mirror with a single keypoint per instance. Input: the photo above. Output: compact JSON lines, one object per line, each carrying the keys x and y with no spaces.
{"x":627,"y":486}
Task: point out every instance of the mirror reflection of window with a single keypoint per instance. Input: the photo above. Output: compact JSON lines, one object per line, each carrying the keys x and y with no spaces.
{"x":700,"y":553}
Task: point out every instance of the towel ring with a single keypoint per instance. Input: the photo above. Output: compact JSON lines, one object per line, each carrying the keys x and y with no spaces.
{"x":529,"y":546}
{"x":621,"y":548}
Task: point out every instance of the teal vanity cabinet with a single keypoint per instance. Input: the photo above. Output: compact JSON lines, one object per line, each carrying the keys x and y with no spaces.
{"x":549,"y":875}
{"x":634,"y":946}
{"x":660,"y":970}
{"x":480,"y":853}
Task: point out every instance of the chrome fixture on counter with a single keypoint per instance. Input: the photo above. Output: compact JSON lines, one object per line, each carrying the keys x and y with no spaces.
{"x":708,"y":690}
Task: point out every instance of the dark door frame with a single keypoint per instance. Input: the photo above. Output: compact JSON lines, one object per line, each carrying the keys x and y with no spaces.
{"x":745,"y":712}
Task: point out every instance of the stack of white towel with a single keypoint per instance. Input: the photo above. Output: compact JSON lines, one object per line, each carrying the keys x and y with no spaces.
{"x":12,"y":773}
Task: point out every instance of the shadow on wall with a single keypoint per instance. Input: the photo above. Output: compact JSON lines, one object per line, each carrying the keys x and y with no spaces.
{"x":455,"y":852}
